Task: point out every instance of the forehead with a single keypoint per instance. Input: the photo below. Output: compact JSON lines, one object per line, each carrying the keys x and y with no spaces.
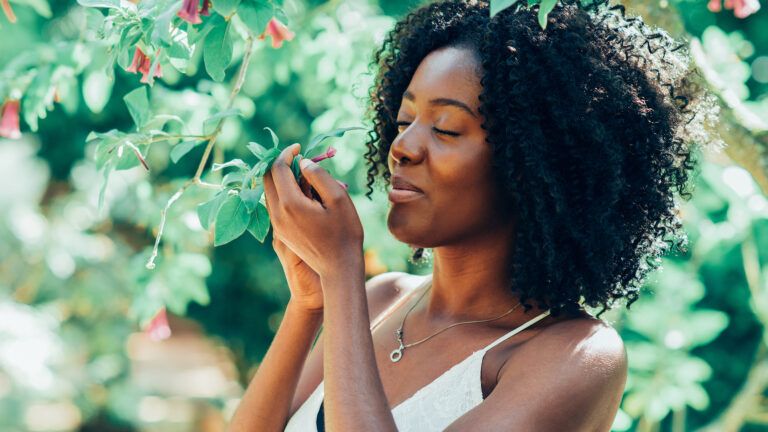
{"x":448,"y":73}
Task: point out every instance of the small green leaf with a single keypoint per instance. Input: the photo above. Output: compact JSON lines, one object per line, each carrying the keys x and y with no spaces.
{"x":545,"y":7}
{"x":181,"y":149}
{"x":138,"y":106}
{"x":312,"y":149}
{"x":296,"y":168}
{"x":209,"y":125}
{"x":233,"y":177}
{"x":251,"y":197}
{"x":225,"y":7}
{"x":257,"y":149}
{"x":233,"y":163}
{"x":207,"y":211}
{"x":255,"y":14}
{"x":499,"y":5}
{"x":217,"y":49}
{"x":231,"y":220}
{"x":275,"y":139}
{"x":259,"y":225}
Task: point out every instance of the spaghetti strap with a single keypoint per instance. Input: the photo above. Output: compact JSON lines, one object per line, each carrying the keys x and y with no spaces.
{"x":517,"y":330}
{"x":393,"y":307}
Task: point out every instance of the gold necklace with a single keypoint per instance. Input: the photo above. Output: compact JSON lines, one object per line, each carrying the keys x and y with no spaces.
{"x":397,"y":354}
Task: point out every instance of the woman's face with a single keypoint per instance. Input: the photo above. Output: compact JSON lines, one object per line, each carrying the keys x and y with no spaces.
{"x":442,"y":151}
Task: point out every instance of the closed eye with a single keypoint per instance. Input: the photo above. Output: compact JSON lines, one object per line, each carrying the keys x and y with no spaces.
{"x":440,"y":131}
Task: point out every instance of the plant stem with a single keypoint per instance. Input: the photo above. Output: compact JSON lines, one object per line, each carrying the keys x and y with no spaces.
{"x":196,"y":180}
{"x":235,"y":90}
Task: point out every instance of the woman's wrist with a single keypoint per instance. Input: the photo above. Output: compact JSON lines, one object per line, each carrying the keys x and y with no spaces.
{"x":296,"y":308}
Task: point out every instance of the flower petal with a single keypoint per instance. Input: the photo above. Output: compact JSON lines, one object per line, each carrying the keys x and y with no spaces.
{"x":9,"y":120}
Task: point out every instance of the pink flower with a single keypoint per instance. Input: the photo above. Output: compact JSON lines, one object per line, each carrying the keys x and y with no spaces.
{"x":8,"y":11}
{"x":189,"y":12}
{"x":142,"y":63}
{"x":204,"y":11}
{"x":158,"y":328}
{"x":328,"y":154}
{"x":745,"y":8}
{"x":9,"y":120}
{"x":741,"y":8}
{"x":278,"y":31}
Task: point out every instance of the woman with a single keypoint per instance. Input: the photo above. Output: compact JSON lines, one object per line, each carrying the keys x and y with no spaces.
{"x":541,"y":166}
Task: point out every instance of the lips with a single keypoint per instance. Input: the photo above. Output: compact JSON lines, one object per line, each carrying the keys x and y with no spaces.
{"x":398,"y":182}
{"x":403,"y":191}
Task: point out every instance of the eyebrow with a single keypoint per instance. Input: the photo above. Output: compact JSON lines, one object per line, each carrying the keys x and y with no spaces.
{"x":443,"y":102}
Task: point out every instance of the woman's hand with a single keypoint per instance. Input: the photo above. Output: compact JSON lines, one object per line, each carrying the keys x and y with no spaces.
{"x":304,"y":283}
{"x":325,"y":236}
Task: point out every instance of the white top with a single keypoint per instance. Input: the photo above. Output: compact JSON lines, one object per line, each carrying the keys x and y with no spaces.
{"x":431,"y":408}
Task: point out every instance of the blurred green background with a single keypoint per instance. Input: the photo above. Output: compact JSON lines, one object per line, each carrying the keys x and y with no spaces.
{"x":75,"y":293}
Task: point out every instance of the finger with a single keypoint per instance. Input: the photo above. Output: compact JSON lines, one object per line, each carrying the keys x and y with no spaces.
{"x":326,"y":186}
{"x":282,"y":175}
{"x":270,"y":195}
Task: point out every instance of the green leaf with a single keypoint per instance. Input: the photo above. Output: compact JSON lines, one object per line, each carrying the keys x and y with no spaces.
{"x":231,"y":220}
{"x":275,"y":139}
{"x":313,"y":149}
{"x":296,"y":168}
{"x":545,"y":7}
{"x":499,"y":5}
{"x":217,"y":49}
{"x":115,"y":4}
{"x":209,"y":125}
{"x":233,"y":163}
{"x":138,"y":106}
{"x":206,"y":212}
{"x":225,"y":7}
{"x":259,"y":224}
{"x":180,"y":150}
{"x":233,"y":177}
{"x":257,"y":149}
{"x":255,"y":14}
{"x":251,"y":197}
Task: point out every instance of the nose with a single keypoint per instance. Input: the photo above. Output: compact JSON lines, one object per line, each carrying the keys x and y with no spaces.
{"x":406,"y":147}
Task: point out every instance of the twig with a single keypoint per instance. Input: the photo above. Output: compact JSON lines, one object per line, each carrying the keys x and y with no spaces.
{"x":196,"y":180}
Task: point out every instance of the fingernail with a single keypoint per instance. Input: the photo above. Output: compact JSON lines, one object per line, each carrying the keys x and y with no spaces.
{"x":304,"y":162}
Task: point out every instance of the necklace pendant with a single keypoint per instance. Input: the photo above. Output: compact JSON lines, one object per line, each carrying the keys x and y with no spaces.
{"x":396,"y":355}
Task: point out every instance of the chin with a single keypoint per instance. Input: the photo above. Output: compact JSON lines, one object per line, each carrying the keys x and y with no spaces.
{"x":405,"y":231}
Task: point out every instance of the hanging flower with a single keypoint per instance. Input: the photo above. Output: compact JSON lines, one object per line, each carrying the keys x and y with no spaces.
{"x":9,"y":120}
{"x":142,"y":63}
{"x":278,"y":31}
{"x":204,"y":11}
{"x":189,"y":12}
{"x":741,"y":8}
{"x":158,"y":328}
{"x":8,"y":11}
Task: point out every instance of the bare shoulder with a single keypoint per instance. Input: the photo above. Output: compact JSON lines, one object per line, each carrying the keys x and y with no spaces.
{"x":591,"y":340}
{"x":577,"y":365}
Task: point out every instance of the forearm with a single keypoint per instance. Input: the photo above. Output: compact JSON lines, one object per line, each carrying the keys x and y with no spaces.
{"x":354,"y":396}
{"x":267,"y":400}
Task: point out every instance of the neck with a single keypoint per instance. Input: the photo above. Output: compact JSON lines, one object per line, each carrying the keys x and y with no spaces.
{"x":470,"y":281}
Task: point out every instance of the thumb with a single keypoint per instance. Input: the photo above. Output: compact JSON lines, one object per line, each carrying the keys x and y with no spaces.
{"x":326,"y":186}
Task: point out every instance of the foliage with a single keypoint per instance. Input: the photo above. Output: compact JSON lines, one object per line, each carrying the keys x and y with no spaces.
{"x":139,"y":145}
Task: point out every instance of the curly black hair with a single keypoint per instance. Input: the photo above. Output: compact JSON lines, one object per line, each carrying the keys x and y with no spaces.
{"x":593,"y":125}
